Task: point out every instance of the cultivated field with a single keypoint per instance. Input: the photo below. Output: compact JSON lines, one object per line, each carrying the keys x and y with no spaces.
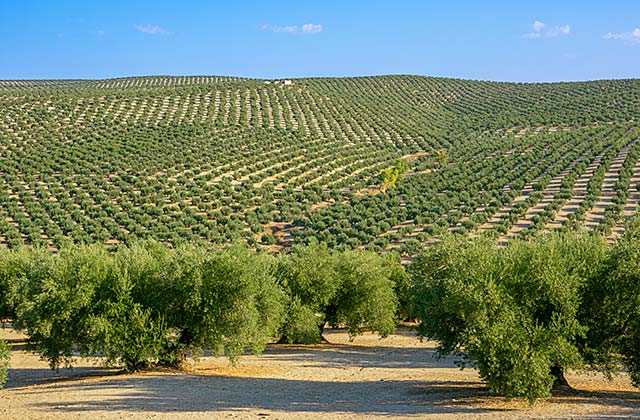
{"x":222,"y":159}
{"x":385,"y":163}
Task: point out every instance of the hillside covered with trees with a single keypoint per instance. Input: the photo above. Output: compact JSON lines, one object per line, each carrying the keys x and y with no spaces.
{"x":221,"y":160}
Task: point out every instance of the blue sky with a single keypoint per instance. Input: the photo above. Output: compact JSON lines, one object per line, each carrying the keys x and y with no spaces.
{"x":499,"y":40}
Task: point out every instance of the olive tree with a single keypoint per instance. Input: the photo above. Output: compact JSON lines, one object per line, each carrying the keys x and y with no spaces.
{"x":355,"y":289}
{"x":366,"y":296}
{"x":205,"y":299}
{"x":513,"y":313}
{"x":146,"y":304}
{"x":611,"y":308}
{"x":77,"y":303}
{"x":309,"y":277}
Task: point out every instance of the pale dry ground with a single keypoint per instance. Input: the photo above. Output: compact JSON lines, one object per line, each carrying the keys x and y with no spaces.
{"x":370,"y":378}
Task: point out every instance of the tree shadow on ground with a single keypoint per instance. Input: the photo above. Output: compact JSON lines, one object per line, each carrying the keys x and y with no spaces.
{"x":620,"y":398}
{"x":89,"y":389}
{"x":169,"y":393}
{"x":337,"y":355}
{"x":193,"y":393}
{"x":21,"y":378}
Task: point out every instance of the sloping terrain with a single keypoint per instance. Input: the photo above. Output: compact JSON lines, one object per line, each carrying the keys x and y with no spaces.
{"x":222,"y":159}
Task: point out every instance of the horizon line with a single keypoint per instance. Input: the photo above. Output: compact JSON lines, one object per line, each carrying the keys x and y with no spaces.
{"x":61,"y":79}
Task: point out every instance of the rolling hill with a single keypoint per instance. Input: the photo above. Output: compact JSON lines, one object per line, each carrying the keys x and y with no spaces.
{"x":222,"y":159}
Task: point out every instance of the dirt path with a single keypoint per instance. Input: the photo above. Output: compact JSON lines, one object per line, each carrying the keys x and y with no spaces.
{"x":370,"y":378}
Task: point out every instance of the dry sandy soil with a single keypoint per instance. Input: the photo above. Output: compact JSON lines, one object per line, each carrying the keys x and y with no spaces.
{"x":398,"y":377}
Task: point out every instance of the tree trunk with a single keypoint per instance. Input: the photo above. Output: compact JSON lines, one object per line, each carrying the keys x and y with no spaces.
{"x":176,"y":353}
{"x":560,"y":381}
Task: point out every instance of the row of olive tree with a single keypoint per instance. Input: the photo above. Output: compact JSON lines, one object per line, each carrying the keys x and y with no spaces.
{"x":521,"y":314}
{"x":524,"y":314}
{"x":149,"y":304}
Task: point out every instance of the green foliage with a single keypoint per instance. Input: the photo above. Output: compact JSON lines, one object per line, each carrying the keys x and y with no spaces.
{"x":220,"y":300}
{"x":146,"y":304}
{"x":392,"y":176}
{"x":402,"y":286}
{"x":221,"y":160}
{"x":57,"y":298}
{"x":5,"y":357}
{"x":442,"y":157}
{"x":241,"y":302}
{"x":268,"y":239}
{"x":522,"y":314}
{"x":366,"y":295}
{"x":512,"y":312}
{"x":12,"y":265}
{"x":308,"y":275}
{"x":352,"y":288}
{"x":159,"y":288}
{"x":308,"y":272}
{"x":126,"y":333}
{"x":79,"y":302}
{"x":303,"y":324}
{"x":612,"y":308}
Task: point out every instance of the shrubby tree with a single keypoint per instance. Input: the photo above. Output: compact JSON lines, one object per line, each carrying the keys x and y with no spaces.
{"x":366,"y":295}
{"x":55,"y":299}
{"x":220,"y":300}
{"x":268,"y":239}
{"x":402,"y":287}
{"x":12,"y":264}
{"x":79,"y":303}
{"x":513,"y":313}
{"x":241,"y":304}
{"x":611,"y":308}
{"x":393,"y":175}
{"x":310,"y":279}
{"x":351,"y":288}
{"x":146,"y":304}
{"x":442,"y":158}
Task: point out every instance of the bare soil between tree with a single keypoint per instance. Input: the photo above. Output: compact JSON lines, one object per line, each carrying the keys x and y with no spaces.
{"x":395,"y":378}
